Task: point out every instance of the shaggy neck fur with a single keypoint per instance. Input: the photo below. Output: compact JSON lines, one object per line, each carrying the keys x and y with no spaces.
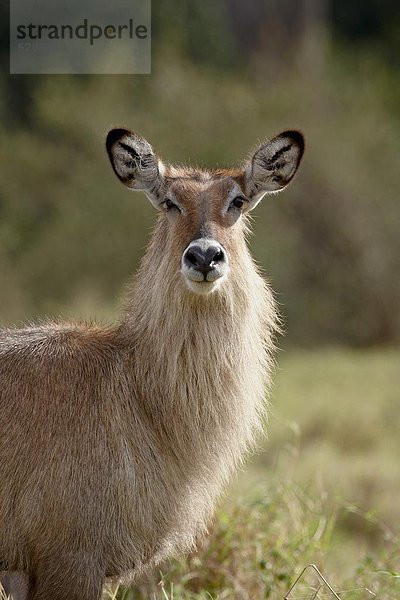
{"x":201,"y":364}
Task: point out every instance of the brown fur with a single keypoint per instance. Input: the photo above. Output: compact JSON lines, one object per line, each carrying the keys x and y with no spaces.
{"x":116,"y":443}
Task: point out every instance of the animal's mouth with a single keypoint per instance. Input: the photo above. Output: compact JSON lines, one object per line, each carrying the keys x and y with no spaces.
{"x":209,"y":276}
{"x":202,"y":287}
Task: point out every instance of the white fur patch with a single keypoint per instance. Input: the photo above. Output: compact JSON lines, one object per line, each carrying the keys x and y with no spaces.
{"x":205,"y":287}
{"x":161,"y":168}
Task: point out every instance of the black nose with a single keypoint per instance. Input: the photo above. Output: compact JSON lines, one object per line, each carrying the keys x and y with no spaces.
{"x":203,"y":257}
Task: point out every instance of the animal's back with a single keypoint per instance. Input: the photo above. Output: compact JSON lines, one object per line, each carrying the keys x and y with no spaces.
{"x":56,"y":443}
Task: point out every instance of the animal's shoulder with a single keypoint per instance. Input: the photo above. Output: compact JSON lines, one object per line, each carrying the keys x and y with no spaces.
{"x":66,"y":344}
{"x":56,"y":377}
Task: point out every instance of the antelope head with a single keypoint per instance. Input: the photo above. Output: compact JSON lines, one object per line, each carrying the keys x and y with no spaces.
{"x":203,"y":212}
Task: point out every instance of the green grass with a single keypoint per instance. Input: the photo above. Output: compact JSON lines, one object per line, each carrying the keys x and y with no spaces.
{"x":325,"y":489}
{"x":258,"y":547}
{"x":335,"y":425}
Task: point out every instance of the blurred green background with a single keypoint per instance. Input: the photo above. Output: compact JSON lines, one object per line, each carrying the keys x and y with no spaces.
{"x":226,"y":74}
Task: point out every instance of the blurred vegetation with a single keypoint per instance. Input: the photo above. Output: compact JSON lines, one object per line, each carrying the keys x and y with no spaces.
{"x":224,"y":77}
{"x":324,"y":491}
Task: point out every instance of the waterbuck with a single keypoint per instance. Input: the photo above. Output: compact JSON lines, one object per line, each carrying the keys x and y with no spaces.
{"x":116,"y":442}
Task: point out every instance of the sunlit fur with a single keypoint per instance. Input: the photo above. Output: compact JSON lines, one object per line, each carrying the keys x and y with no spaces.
{"x":116,"y":443}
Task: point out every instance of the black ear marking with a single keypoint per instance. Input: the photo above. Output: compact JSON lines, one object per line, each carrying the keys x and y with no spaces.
{"x":129,"y":149}
{"x":273,"y":165}
{"x":135,"y":163}
{"x":296,"y":139}
{"x":272,"y":160}
{"x":296,"y":136}
{"x":135,"y":159}
{"x":114,"y":136}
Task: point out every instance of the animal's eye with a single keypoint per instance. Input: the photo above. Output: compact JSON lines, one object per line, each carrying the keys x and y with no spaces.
{"x":169,"y":205}
{"x":237,"y":202}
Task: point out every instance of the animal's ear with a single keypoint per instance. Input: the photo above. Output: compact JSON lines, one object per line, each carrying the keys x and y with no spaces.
{"x":135,"y":163}
{"x":273,"y":165}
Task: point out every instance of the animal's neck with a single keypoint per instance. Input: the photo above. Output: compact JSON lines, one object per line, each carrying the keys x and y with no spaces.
{"x":201,"y":363}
